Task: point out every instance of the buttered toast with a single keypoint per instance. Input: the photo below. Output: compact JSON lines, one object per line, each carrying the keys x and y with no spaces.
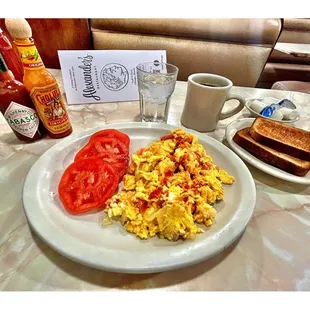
{"x":270,"y":156}
{"x":281,"y":137}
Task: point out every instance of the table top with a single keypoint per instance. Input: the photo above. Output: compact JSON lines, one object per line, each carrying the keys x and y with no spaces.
{"x":272,"y":253}
{"x":294,"y":49}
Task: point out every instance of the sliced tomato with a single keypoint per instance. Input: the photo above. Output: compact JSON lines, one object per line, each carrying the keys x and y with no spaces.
{"x":86,"y":185}
{"x":112,"y":133}
{"x":110,"y":150}
{"x":100,"y":146}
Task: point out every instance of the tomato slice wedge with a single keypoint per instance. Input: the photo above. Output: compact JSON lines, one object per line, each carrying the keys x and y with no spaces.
{"x":86,"y":185}
{"x":109,"y":150}
{"x":111,"y":133}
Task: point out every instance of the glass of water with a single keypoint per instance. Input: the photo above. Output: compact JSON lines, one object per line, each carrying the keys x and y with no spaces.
{"x":156,"y":83}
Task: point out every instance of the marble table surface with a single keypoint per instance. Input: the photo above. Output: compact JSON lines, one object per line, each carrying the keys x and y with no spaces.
{"x":272,"y":254}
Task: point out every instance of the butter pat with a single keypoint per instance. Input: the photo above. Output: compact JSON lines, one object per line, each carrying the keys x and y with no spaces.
{"x":289,"y":114}
{"x":257,"y":106}
{"x":277,"y":115}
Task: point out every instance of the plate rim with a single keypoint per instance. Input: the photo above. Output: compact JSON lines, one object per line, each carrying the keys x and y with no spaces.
{"x":234,"y":233}
{"x":257,"y":163}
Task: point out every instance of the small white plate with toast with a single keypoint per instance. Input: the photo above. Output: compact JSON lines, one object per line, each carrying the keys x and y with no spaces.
{"x":237,"y":125}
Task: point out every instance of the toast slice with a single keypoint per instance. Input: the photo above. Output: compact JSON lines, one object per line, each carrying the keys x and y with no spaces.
{"x":270,"y":156}
{"x":281,"y":137}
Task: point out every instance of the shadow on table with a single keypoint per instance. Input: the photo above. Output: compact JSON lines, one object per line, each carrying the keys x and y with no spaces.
{"x":131,"y":281}
{"x":10,"y":139}
{"x":276,"y":183}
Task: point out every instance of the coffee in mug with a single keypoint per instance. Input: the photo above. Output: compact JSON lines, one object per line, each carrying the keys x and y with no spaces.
{"x":208,"y":84}
{"x":205,"y":98}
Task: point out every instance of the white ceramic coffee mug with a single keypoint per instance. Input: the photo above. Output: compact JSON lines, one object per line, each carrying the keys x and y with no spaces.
{"x":204,"y":104}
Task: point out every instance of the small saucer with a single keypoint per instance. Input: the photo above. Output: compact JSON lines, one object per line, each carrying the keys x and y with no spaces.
{"x":255,"y":114}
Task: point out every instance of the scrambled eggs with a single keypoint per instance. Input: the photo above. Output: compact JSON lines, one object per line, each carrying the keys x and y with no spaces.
{"x":169,"y":187}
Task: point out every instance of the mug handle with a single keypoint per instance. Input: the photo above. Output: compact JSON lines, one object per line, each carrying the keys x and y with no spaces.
{"x":234,"y":110}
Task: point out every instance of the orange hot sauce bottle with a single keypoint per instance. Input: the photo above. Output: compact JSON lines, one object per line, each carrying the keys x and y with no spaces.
{"x":42,"y":86}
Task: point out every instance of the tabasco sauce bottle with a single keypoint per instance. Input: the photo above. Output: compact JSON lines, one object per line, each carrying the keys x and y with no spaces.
{"x":17,"y":107}
{"x":11,"y":57}
{"x":42,"y":86}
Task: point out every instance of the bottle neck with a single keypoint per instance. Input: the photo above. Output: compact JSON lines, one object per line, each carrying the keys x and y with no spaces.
{"x":5,"y":73}
{"x":29,"y":54}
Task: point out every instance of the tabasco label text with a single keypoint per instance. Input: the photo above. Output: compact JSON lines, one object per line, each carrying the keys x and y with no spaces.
{"x":22,"y":119}
{"x":51,"y":108}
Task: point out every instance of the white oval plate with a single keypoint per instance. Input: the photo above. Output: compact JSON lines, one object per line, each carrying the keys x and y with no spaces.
{"x":83,"y":239}
{"x":232,"y":128}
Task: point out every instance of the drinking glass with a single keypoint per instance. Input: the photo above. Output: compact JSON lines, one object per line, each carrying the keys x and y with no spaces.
{"x":156,"y":83}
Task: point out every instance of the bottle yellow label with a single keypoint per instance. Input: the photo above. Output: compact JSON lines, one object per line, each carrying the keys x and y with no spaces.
{"x":51,"y":108}
{"x":29,"y":56}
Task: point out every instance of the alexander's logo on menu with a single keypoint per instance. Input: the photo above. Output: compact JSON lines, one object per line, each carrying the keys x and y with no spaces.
{"x":89,"y":90}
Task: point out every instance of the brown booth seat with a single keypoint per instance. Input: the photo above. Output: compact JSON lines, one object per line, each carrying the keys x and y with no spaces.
{"x":235,"y":48}
{"x":284,"y":67}
{"x":293,"y":73}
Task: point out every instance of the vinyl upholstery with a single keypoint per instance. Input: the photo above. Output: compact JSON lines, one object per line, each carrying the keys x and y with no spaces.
{"x":281,"y":66}
{"x":235,"y":48}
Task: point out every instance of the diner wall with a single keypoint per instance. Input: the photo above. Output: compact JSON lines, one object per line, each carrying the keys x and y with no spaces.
{"x":52,"y":34}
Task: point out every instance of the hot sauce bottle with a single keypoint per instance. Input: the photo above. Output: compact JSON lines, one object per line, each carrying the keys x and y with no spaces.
{"x":42,"y":86}
{"x":17,"y":107}
{"x":11,"y":57}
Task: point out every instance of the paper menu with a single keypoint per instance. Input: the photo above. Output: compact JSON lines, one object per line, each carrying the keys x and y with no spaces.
{"x":93,"y":76}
